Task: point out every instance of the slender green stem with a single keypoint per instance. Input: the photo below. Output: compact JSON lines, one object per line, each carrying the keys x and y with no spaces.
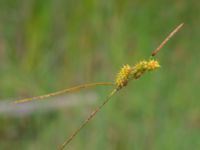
{"x":87,"y":120}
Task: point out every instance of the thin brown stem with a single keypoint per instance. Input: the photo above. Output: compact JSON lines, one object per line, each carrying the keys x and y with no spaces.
{"x":87,"y":120}
{"x":167,"y":39}
{"x":73,"y":89}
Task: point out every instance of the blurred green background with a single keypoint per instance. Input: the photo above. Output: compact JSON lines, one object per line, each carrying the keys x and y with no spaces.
{"x":48,"y":45}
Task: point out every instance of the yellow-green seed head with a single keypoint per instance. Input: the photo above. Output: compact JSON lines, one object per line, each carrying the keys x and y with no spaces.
{"x":123,"y":76}
{"x":140,"y":68}
{"x":126,"y":73}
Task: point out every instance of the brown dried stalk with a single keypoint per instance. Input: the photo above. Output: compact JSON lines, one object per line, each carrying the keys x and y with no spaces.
{"x":167,"y":39}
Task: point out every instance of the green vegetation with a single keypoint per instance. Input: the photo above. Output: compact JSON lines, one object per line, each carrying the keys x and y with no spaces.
{"x":48,"y":45}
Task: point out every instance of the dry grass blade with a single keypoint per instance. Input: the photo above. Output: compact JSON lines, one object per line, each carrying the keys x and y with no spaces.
{"x":167,"y":39}
{"x":73,"y":89}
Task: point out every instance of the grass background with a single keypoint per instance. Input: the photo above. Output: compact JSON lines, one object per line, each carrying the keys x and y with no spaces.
{"x":53,"y":44}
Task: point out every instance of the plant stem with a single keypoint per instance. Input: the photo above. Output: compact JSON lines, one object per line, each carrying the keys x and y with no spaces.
{"x":76,"y":88}
{"x":87,"y":120}
{"x":167,"y":39}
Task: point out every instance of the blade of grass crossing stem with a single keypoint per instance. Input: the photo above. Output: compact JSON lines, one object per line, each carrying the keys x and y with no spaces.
{"x":68,"y":90}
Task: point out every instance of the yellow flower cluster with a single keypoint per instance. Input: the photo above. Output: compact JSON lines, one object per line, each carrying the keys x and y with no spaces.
{"x":123,"y":76}
{"x":152,"y":65}
{"x":126,"y":73}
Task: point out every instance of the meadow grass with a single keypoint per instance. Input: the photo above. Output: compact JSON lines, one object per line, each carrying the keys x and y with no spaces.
{"x":48,"y":45}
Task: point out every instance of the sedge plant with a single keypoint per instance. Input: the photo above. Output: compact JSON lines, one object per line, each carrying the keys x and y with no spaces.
{"x":125,"y":75}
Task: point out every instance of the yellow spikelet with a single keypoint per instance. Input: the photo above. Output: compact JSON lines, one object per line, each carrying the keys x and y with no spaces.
{"x":152,"y":65}
{"x":123,"y":76}
{"x":126,"y":73}
{"x":140,"y":68}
